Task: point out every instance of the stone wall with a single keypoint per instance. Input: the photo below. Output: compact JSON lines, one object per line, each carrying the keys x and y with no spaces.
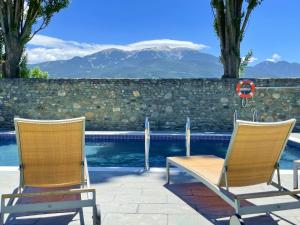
{"x":123,"y":104}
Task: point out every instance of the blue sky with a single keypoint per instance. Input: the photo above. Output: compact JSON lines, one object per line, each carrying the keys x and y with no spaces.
{"x":273,"y":29}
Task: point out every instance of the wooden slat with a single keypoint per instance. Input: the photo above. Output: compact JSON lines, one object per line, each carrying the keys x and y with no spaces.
{"x":207,"y":166}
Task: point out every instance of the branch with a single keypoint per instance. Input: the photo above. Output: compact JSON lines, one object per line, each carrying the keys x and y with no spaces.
{"x":18,"y":12}
{"x":22,"y":17}
{"x":29,"y":21}
{"x":8,"y":16}
{"x":230,"y":24}
{"x":43,"y":26}
{"x":2,"y":16}
{"x":218,"y":5}
{"x":251,"y":5}
{"x":245,"y":21}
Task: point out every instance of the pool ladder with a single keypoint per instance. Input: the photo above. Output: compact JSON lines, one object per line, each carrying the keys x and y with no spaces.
{"x":254,"y":116}
{"x":188,"y":137}
{"x":147,"y":140}
{"x":147,"y":143}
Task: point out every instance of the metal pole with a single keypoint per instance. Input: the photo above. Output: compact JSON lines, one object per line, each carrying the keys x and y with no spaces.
{"x":234,"y":117}
{"x":255,"y":117}
{"x":295,"y":175}
{"x":1,"y":212}
{"x":147,"y":143}
{"x":168,"y":171}
{"x":188,"y":136}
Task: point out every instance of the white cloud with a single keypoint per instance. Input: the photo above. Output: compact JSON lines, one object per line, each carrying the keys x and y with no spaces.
{"x":251,"y":60}
{"x":44,"y":48}
{"x":275,"y":58}
{"x":165,"y":43}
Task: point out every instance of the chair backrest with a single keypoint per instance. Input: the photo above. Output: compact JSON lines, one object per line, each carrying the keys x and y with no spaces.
{"x":51,"y":152}
{"x":254,"y":152}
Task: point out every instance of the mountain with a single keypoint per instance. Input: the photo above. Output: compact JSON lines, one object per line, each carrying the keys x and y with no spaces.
{"x":157,"y":63}
{"x":274,"y":69}
{"x":147,"y":63}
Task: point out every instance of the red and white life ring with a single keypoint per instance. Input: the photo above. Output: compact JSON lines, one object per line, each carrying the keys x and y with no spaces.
{"x":245,"y":92}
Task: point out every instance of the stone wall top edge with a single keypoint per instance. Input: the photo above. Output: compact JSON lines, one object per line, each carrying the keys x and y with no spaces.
{"x":148,"y":79}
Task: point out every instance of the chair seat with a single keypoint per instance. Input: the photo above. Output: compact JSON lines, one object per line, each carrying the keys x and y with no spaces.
{"x":208,"y":167}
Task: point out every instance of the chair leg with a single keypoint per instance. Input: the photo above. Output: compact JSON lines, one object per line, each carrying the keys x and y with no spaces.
{"x":1,"y":218}
{"x":81,"y":217}
{"x":168,"y":172}
{"x":295,"y":176}
{"x":1,"y":211}
{"x":96,"y":215}
{"x":236,"y":220}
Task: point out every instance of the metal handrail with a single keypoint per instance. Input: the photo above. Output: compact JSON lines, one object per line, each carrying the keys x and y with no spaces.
{"x":254,"y":116}
{"x":188,"y":136}
{"x":235,"y":116}
{"x":147,"y":143}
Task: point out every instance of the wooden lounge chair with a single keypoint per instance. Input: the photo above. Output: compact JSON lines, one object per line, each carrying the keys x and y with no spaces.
{"x":52,"y":158}
{"x":253,"y":156}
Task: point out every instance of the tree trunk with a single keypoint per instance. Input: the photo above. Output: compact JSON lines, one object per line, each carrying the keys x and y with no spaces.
{"x":231,"y":65}
{"x":231,"y":47}
{"x":228,"y":29}
{"x":11,"y":67}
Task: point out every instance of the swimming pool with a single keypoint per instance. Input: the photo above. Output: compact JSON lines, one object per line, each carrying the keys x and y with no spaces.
{"x":129,"y":151}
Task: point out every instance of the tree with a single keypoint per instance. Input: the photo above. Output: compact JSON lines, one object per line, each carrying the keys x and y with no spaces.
{"x":17,"y":18}
{"x":244,"y":62}
{"x":230,"y":23}
{"x":24,"y":71}
{"x":1,"y":52}
{"x":36,"y":72}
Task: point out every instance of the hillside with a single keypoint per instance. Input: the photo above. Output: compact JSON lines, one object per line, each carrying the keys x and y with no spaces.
{"x":157,"y":63}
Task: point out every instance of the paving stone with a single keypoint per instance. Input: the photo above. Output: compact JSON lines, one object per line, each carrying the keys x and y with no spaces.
{"x":143,"y":185}
{"x":143,"y":199}
{"x":118,"y":191}
{"x":188,"y":220}
{"x":156,"y":191}
{"x":102,"y":198}
{"x":119,"y":208}
{"x":52,"y":218}
{"x":166,"y":209}
{"x":135,"y":219}
{"x":175,"y":199}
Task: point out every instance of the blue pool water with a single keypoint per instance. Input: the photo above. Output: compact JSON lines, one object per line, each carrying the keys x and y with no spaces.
{"x":130,"y":152}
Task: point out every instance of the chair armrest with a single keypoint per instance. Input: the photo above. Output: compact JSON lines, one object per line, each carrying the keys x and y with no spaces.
{"x":49,"y":193}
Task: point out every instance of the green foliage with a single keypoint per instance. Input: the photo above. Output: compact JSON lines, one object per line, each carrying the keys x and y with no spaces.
{"x":24,"y":71}
{"x":245,"y":62}
{"x":216,"y":27}
{"x":36,"y":72}
{"x":1,"y":47}
{"x":253,"y":3}
{"x":48,"y":8}
{"x":2,"y":54}
{"x":41,"y":12}
{"x":20,"y":20}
